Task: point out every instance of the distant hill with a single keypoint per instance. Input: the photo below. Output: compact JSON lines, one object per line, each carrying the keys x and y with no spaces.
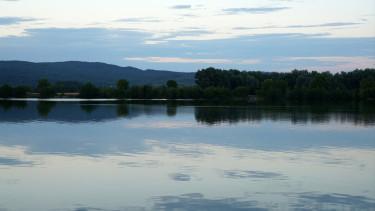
{"x":101,"y":74}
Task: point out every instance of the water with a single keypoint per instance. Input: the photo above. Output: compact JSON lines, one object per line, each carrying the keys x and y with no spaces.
{"x":113,"y":156}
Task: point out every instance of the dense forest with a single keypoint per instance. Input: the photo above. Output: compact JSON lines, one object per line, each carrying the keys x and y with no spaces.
{"x":217,"y":84}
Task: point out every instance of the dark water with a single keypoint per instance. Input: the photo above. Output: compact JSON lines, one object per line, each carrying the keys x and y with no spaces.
{"x":116,"y":156}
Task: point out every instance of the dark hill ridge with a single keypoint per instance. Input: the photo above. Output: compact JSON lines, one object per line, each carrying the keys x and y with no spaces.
{"x":101,"y":74}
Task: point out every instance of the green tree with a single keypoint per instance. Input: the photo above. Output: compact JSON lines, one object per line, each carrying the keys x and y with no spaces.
{"x":88,"y":91}
{"x":21,"y":91}
{"x":6,"y":91}
{"x":172,"y":84}
{"x":273,"y":90}
{"x":367,"y":89}
{"x":122,"y":86}
{"x":45,"y":89}
{"x":108,"y":92}
{"x":216,"y":93}
{"x":241,"y":91}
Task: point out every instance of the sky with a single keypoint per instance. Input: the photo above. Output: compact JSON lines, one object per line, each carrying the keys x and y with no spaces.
{"x":188,"y":35}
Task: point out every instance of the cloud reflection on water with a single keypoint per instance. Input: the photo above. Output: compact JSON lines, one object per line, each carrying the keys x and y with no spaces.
{"x":171,"y":124}
{"x":180,"y":177}
{"x":245,"y":174}
{"x":215,"y":153}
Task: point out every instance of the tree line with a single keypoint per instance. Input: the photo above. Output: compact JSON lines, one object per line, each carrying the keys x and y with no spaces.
{"x":217,"y":84}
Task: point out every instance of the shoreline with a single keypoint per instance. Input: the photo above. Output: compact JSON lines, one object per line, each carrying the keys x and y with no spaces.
{"x":93,"y":100}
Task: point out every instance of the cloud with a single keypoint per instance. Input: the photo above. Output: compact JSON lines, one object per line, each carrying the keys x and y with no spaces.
{"x":254,"y":10}
{"x":139,"y":20}
{"x":333,"y":63}
{"x":183,"y":34}
{"x":14,"y":20}
{"x":140,"y":164}
{"x":181,"y":7}
{"x":14,"y":162}
{"x":192,"y":60}
{"x":181,"y":53}
{"x":178,"y":60}
{"x":331,"y":24}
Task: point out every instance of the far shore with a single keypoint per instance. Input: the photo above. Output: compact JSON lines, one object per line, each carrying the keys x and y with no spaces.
{"x":83,"y":100}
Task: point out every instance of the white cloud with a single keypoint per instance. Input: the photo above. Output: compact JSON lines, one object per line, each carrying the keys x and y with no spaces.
{"x":193,"y":60}
{"x":178,"y":60}
{"x":254,"y":10}
{"x":181,"y":6}
{"x":334,"y":63}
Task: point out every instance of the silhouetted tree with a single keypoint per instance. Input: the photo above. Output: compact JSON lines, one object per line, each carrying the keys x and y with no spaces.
{"x":122,"y":86}
{"x":273,"y":90}
{"x":88,"y":91}
{"x":6,"y":91}
{"x":45,"y":89}
{"x":172,"y":84}
{"x":21,"y":91}
{"x":217,"y":84}
{"x":367,"y":90}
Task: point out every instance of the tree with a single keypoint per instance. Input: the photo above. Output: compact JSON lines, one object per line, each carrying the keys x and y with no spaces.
{"x":230,"y":79}
{"x":45,"y":89}
{"x":216,"y":93}
{"x":88,"y":91}
{"x":122,"y":86}
{"x":6,"y":91}
{"x":20,"y":91}
{"x":367,"y":90}
{"x":108,"y":92}
{"x":273,"y":90}
{"x":172,"y":84}
{"x":67,"y":86}
{"x":241,"y":91}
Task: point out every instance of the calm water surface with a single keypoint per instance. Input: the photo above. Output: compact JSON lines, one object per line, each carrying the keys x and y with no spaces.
{"x":113,"y":156}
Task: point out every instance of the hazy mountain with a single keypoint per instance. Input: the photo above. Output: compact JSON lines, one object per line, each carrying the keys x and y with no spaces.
{"x":28,"y":73}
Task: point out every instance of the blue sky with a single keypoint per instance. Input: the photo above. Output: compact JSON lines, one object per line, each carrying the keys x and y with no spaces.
{"x":267,"y":35}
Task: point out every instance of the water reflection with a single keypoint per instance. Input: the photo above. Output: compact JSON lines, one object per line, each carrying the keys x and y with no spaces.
{"x":44,"y":108}
{"x":296,"y":114}
{"x":88,"y":108}
{"x":98,"y":129}
{"x":197,"y":201}
{"x":180,"y":177}
{"x":334,"y":201}
{"x":117,"y":156}
{"x":242,"y":174}
{"x":210,"y":115}
{"x":302,"y":201}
